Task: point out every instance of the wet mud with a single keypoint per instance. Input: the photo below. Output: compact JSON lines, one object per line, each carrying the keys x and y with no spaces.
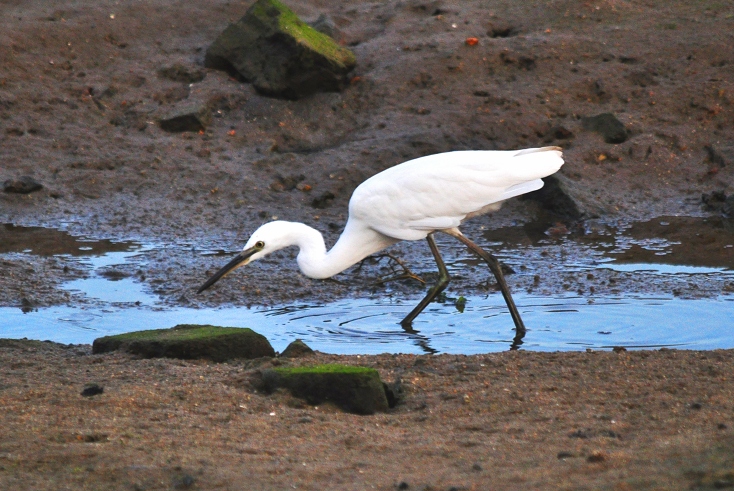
{"x":82,"y":90}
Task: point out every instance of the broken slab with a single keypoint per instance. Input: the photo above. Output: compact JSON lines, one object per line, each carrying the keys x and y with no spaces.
{"x":189,"y":341}
{"x":192,"y":116}
{"x":280,"y":54}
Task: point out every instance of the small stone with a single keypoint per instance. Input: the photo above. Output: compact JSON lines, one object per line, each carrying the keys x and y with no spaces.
{"x":596,"y":456}
{"x":191,"y":117}
{"x":181,"y":73}
{"x":297,"y":349}
{"x":286,"y":183}
{"x":92,"y":390}
{"x":502,"y":30}
{"x":23,"y":185}
{"x":608,"y":126}
{"x":581,"y":434}
{"x":324,"y":200}
{"x":184,"y":482}
{"x":720,"y":156}
{"x":557,"y":132}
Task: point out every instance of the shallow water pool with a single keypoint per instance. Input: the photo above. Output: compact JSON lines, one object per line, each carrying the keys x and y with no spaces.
{"x":562,"y":321}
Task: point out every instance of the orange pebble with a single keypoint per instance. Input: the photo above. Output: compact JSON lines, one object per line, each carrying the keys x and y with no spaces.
{"x":471,"y":41}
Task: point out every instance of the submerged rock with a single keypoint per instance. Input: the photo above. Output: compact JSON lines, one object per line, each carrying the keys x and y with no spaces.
{"x":354,"y":389}
{"x":189,"y":341}
{"x":280,"y":54}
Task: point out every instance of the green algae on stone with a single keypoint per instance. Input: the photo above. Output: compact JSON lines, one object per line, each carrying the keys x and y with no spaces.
{"x":354,"y":389}
{"x":189,"y":341}
{"x":280,"y":54}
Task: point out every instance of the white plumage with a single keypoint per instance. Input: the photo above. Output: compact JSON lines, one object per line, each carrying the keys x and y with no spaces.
{"x":411,"y":201}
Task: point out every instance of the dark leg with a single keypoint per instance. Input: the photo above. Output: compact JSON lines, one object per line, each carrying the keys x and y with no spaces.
{"x":443,"y":281}
{"x":494,"y":266}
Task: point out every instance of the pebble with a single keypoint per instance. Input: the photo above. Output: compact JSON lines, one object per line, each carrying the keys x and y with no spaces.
{"x":92,"y":390}
{"x":23,"y":185}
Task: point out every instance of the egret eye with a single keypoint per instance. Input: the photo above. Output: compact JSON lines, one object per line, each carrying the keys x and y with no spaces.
{"x":259,"y":244}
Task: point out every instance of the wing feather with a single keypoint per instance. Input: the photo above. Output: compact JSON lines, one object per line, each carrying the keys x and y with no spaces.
{"x":439,"y":191}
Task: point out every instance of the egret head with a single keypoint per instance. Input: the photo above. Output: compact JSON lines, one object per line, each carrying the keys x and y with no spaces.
{"x":268,"y":238}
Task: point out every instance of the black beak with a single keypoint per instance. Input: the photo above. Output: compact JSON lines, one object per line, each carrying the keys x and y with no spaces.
{"x":238,"y":259}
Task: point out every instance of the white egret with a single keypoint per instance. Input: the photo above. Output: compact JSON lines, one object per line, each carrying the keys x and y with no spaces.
{"x":411,"y":201}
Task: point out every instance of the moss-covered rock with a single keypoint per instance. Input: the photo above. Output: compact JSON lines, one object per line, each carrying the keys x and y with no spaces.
{"x":354,"y":389}
{"x":279,"y":53}
{"x":297,"y":349}
{"x":189,"y":341}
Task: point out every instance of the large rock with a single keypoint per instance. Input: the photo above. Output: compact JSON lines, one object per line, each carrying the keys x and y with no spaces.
{"x":189,"y":341}
{"x":554,"y":198}
{"x":280,"y":54}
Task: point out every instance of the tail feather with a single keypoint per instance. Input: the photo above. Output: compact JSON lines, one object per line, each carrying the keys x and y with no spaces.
{"x":534,"y":163}
{"x":536,"y":150}
{"x":522,"y":188}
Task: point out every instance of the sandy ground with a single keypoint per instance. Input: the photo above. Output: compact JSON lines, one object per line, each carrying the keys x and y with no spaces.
{"x":80,"y":94}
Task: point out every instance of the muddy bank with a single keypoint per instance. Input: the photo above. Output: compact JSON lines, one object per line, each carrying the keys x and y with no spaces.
{"x":593,"y":420}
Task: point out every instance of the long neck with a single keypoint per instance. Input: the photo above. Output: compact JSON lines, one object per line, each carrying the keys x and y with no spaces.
{"x":354,"y":244}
